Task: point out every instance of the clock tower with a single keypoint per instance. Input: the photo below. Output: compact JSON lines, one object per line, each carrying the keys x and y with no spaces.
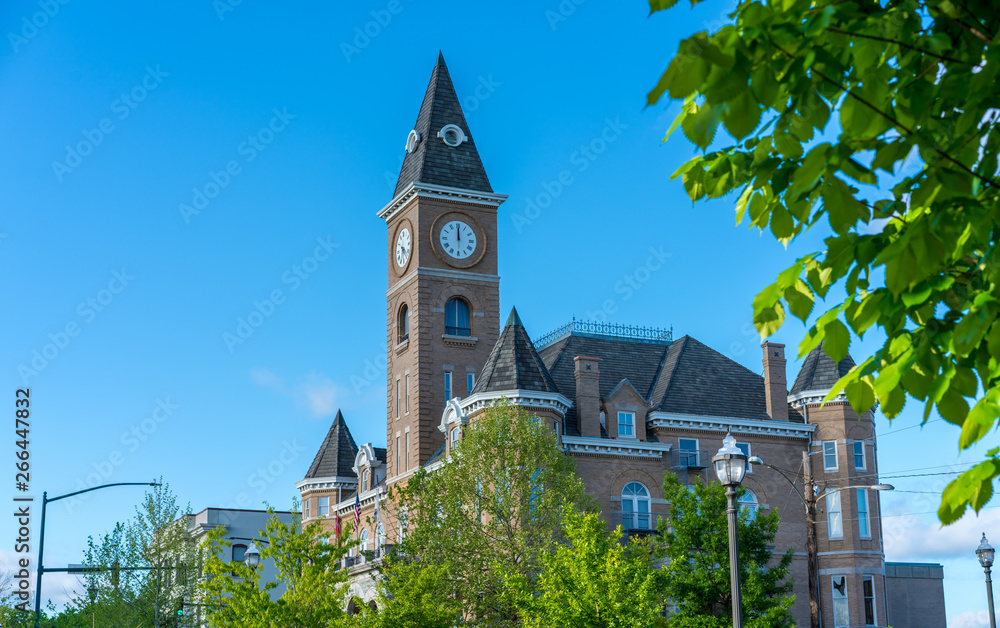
{"x":443,"y":297}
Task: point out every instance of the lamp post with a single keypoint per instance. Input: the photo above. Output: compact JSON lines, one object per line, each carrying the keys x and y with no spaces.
{"x":41,"y":536}
{"x":809,"y":498}
{"x":252,"y":554}
{"x":985,"y":554}
{"x":731,"y":466}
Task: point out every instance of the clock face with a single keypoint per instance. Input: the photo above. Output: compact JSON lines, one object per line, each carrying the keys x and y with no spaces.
{"x":403,"y":247}
{"x":458,"y":239}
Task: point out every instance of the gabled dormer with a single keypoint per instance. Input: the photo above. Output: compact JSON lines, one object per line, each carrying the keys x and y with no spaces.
{"x":625,"y":412}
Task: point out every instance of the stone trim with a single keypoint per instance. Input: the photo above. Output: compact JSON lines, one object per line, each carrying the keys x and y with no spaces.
{"x":813,"y":397}
{"x":723,"y":425}
{"x":427,"y":190}
{"x":843,"y":571}
{"x":613,"y":447}
{"x":459,"y":341}
{"x":326,"y":484}
{"x":437,"y":272}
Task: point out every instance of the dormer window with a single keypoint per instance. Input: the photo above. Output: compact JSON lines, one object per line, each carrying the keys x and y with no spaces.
{"x":452,"y":135}
{"x":626,"y":424}
{"x":365,"y":481}
{"x":456,"y":318}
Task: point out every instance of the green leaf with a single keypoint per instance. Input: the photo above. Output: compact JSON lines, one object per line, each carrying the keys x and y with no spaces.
{"x":683,"y":77}
{"x":812,"y":168}
{"x":980,"y":420}
{"x":700,"y":125}
{"x":866,"y":313}
{"x":742,"y":116}
{"x":837,"y":340}
{"x":659,"y":5}
{"x":800,"y":300}
{"x":972,"y":488}
{"x":953,"y":407}
{"x":768,"y":319}
{"x":782,"y":224}
{"x":861,"y":394}
{"x":969,"y":331}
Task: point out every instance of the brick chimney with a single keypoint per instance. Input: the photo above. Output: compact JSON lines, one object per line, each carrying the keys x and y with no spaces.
{"x":588,"y":395}
{"x":775,"y":383}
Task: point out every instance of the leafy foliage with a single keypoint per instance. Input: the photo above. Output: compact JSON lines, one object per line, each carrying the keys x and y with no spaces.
{"x":488,"y":515}
{"x":593,"y":580}
{"x":315,"y":590}
{"x":912,"y":87}
{"x":694,"y":543}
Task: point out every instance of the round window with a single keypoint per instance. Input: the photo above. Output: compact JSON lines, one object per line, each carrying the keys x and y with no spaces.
{"x":412,"y":140}
{"x":452,"y":135}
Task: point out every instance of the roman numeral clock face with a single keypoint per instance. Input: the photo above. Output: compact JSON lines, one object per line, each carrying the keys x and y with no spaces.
{"x":403,"y":247}
{"x":458,"y":239}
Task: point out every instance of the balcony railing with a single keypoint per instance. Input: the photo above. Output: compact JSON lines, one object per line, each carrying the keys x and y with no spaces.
{"x":637,"y":523}
{"x":366,"y":556}
{"x":695,"y":460}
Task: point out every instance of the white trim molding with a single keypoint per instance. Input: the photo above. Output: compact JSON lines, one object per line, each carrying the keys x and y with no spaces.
{"x":327,"y":484}
{"x":532,"y":398}
{"x":426,"y":190}
{"x":813,"y":397}
{"x":614,"y":447}
{"x":463,"y":275}
{"x":729,"y":424}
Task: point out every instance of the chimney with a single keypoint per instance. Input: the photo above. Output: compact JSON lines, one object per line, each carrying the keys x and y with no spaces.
{"x":588,"y":395}
{"x":775,"y":383}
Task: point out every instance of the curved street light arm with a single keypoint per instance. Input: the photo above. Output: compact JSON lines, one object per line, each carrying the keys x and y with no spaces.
{"x":94,"y":488}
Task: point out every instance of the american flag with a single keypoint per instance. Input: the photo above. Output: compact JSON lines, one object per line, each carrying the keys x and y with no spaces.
{"x":338,"y":526}
{"x":357,"y":510}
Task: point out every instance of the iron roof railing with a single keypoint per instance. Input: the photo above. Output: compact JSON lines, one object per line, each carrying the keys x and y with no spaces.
{"x":650,"y":335}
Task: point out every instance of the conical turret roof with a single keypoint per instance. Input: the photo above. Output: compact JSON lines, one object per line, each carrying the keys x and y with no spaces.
{"x":514,"y":364}
{"x":335,"y":457}
{"x":820,"y":372}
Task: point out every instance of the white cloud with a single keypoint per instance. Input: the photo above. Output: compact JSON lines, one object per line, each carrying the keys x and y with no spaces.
{"x":912,"y":538}
{"x":970,"y":619}
{"x":317,"y":392}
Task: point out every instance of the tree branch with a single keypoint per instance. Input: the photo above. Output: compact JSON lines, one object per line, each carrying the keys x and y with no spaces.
{"x":902,"y":45}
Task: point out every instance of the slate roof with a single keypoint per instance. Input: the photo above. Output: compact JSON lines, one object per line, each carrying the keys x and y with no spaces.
{"x":820,"y":372}
{"x":433,"y":161}
{"x":514,"y":363}
{"x":335,"y":457}
{"x":380,"y":454}
{"x":684,"y":376}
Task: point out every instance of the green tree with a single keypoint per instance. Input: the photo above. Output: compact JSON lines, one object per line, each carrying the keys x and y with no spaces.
{"x":315,"y":588}
{"x":410,"y":597}
{"x":821,"y":95}
{"x":489,"y":514}
{"x":593,"y":580}
{"x":694,"y":544}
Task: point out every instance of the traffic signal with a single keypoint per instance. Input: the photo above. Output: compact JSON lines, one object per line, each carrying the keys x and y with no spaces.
{"x":179,"y":607}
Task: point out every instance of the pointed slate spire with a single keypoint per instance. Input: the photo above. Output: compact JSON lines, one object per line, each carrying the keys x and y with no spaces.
{"x":514,"y":364}
{"x":335,"y":457}
{"x":432,"y":161}
{"x":820,"y":372}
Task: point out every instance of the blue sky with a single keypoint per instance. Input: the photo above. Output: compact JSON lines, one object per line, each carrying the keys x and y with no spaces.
{"x":291,"y":120}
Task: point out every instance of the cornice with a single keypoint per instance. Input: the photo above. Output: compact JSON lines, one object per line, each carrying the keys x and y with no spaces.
{"x":443,"y":192}
{"x":463,"y":275}
{"x":330,"y":483}
{"x":729,"y":424}
{"x":813,"y":397}
{"x":518,"y":397}
{"x":614,"y":447}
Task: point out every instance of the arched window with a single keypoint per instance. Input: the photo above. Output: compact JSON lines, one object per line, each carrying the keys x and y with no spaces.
{"x":364,"y":481}
{"x":748,"y":501}
{"x":404,"y":324}
{"x":363,"y":547}
{"x":635,"y":507}
{"x":456,"y":318}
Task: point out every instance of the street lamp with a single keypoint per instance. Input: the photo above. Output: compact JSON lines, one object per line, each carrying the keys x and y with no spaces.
{"x":252,"y":555}
{"x":41,"y":537}
{"x":985,"y":554}
{"x":731,"y":466}
{"x":809,"y":501}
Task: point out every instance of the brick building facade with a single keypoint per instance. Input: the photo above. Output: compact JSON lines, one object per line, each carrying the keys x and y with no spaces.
{"x":629,"y":404}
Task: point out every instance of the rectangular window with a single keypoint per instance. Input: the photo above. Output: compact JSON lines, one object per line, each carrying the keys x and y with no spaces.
{"x":864,"y":529}
{"x":859,"y":455}
{"x":407,"y":393}
{"x":406,"y":460}
{"x":834,"y":519}
{"x":745,"y":448}
{"x":398,"y":400}
{"x":840,"y":614}
{"x":555,"y":426}
{"x":829,"y":455}
{"x":305,"y":508}
{"x":447,"y":385}
{"x":470,"y":380}
{"x":688,"y":448}
{"x":239,"y":553}
{"x":626,"y":424}
{"x":324,"y":506}
{"x":398,"y":458}
{"x":869,"y":590}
